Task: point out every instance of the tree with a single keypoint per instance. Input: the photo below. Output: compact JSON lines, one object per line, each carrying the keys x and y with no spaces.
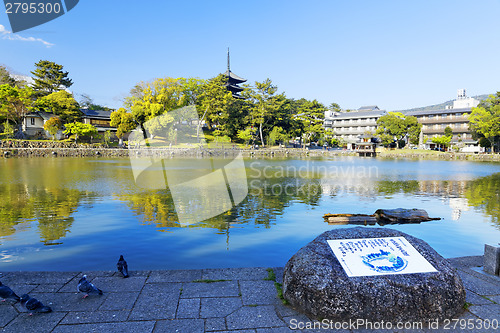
{"x":53,"y":125}
{"x":62,"y":104}
{"x":397,"y":126}
{"x":266,"y":104}
{"x":49,"y":77}
{"x":485,"y":119}
{"x":214,"y":101}
{"x":246,"y":135}
{"x":123,"y":121}
{"x":79,"y":129}
{"x":15,"y":103}
{"x":87,"y":102}
{"x":107,"y":137}
{"x":312,"y":115}
{"x":442,"y":141}
{"x":8,"y":129}
{"x":5,"y":77}
{"x":448,"y":131}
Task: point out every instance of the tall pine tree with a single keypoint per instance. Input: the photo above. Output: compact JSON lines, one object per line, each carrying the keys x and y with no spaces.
{"x":49,"y":77}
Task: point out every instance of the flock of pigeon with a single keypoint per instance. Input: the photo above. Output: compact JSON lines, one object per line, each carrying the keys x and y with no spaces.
{"x":33,"y":305}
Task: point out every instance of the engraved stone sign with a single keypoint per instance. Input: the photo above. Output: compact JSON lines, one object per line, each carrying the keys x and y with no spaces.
{"x":379,"y":256}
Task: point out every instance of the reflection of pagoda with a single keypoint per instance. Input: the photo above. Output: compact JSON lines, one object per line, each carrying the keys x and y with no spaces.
{"x":233,"y":80}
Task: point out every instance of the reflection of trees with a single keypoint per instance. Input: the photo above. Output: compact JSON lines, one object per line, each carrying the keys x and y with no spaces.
{"x":484,"y":193}
{"x":51,"y":207}
{"x":267,"y":199}
{"x":388,"y":187}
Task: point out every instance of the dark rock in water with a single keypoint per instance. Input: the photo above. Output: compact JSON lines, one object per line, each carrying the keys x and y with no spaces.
{"x":402,"y":215}
{"x":315,"y":283}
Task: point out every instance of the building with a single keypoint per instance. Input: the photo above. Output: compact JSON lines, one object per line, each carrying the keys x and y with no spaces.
{"x":233,"y":80}
{"x":100,"y":119}
{"x":434,"y":122}
{"x":34,"y":121}
{"x":351,"y":126}
{"x":33,"y":124}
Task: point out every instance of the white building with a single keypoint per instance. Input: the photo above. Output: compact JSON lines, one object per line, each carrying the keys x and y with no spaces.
{"x":351,"y":126}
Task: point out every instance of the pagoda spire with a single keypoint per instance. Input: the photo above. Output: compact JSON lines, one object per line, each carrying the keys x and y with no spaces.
{"x":233,"y":80}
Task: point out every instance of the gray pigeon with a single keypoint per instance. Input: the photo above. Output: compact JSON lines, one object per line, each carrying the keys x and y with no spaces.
{"x":87,"y":288}
{"x":33,"y":305}
{"x":7,"y":294}
{"x":122,"y":267}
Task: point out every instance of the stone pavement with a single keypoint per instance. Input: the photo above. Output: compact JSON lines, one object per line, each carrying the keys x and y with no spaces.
{"x":205,"y":300}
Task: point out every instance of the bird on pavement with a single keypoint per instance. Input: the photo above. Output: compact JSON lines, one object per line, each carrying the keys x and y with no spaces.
{"x":7,"y":294}
{"x":122,"y":267}
{"x":33,"y":305}
{"x":87,"y":288}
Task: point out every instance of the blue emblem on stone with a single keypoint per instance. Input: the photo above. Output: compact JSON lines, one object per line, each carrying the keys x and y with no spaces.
{"x":384,"y":262}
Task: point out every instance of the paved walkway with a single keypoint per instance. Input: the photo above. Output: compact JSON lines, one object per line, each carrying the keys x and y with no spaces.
{"x":185,"y":301}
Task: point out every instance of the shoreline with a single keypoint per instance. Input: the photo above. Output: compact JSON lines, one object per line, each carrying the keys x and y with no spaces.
{"x":198,"y":300}
{"x":220,"y":152}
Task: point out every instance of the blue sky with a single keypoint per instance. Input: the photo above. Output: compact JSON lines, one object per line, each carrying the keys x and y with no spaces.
{"x":394,"y":54}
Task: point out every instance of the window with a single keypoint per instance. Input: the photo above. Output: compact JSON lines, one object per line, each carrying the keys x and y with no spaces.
{"x":32,"y":121}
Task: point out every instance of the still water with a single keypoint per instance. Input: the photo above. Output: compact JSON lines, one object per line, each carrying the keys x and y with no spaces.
{"x":82,"y":213}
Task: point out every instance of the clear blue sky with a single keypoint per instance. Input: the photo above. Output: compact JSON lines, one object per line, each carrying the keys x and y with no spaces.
{"x":394,"y":54}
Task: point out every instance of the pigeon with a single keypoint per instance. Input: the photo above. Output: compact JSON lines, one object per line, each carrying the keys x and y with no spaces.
{"x":7,"y":294}
{"x":122,"y":267}
{"x":86,"y":287}
{"x":33,"y":305}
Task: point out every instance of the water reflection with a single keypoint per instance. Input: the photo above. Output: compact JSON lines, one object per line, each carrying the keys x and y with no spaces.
{"x":484,"y":195}
{"x":52,"y":208}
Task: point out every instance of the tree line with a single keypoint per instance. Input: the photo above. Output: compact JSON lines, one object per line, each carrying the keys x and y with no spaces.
{"x":263,"y":116}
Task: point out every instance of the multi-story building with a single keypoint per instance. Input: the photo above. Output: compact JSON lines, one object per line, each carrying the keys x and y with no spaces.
{"x":434,"y":122}
{"x":351,"y":126}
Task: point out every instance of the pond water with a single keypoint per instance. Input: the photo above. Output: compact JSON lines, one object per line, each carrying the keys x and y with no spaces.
{"x":82,"y":213}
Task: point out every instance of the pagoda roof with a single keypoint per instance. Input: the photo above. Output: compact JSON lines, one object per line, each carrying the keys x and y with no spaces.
{"x":233,"y":87}
{"x":233,"y":78}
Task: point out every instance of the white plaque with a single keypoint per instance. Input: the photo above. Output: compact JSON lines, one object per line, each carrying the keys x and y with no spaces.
{"x":379,"y":256}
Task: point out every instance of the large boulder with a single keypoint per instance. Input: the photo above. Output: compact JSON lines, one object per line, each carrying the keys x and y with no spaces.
{"x":315,"y":283}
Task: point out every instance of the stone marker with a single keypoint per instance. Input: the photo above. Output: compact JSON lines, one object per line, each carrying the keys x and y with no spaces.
{"x":492,"y":259}
{"x":314,"y":282}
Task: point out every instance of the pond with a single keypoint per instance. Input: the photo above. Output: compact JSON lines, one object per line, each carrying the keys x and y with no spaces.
{"x":82,"y":213}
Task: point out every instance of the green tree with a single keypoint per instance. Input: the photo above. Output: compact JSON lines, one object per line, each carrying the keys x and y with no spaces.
{"x":53,"y":125}
{"x":62,"y":104}
{"x":448,"y":131}
{"x":214,"y":101}
{"x":485,"y":119}
{"x":396,"y":125}
{"x":246,"y":135}
{"x":265,"y":104}
{"x":88,"y":103}
{"x":8,"y":129}
{"x":79,"y":129}
{"x":124,"y":123}
{"x":5,"y":77}
{"x":312,"y":115}
{"x":49,"y":77}
{"x":15,"y":103}
{"x":442,"y":141}
{"x":107,"y":137}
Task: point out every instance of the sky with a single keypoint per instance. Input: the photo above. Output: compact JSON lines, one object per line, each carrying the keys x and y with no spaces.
{"x":394,"y":54}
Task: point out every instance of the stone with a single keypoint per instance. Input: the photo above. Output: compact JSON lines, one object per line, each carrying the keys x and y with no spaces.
{"x":402,"y":215}
{"x":314,"y":282}
{"x":492,"y":259}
